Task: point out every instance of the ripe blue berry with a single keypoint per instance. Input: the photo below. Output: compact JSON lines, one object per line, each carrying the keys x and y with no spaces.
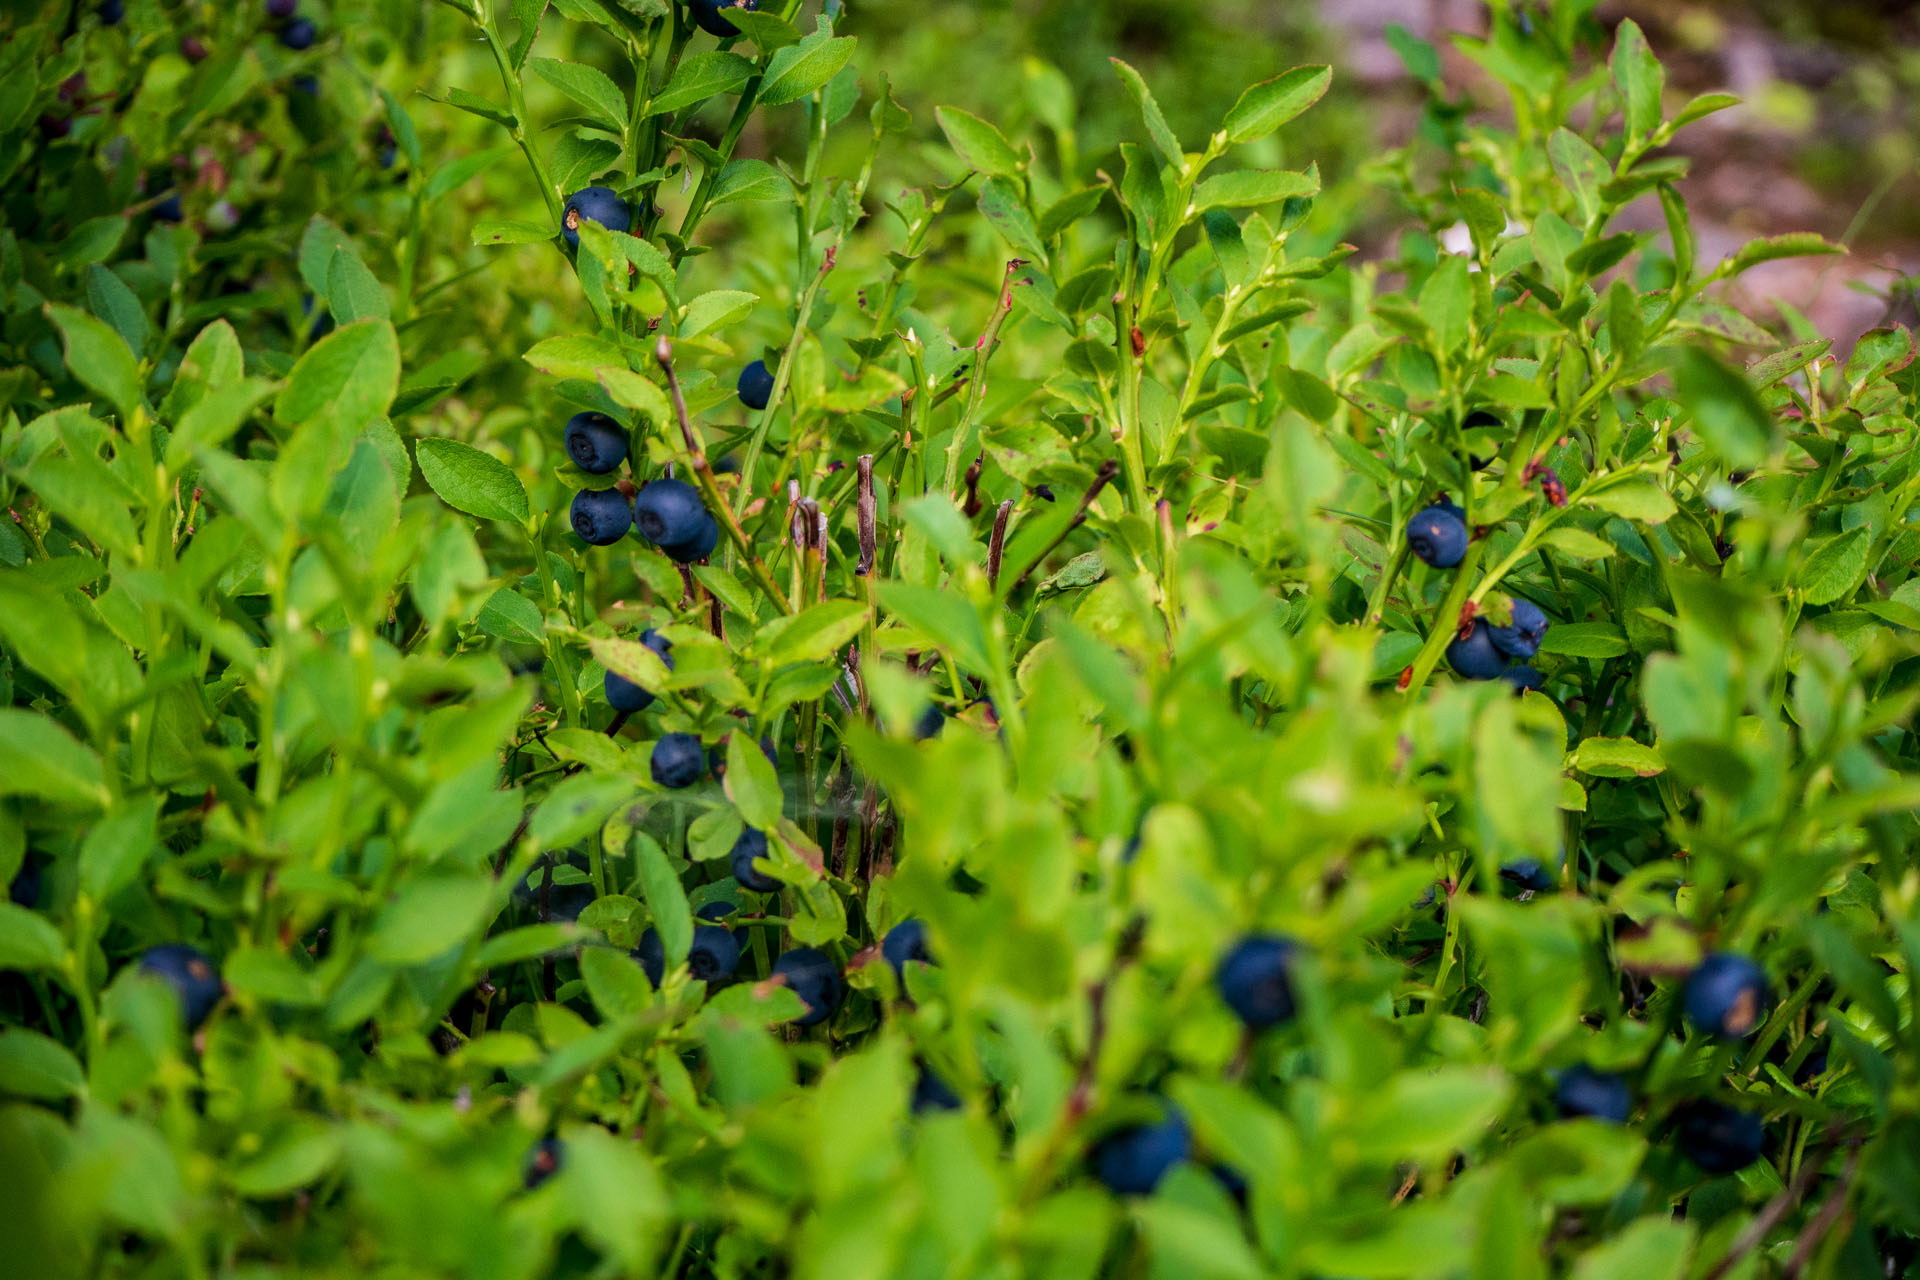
{"x":600,"y":516}
{"x":281,"y":8}
{"x":309,"y":85}
{"x":542,"y":1162}
{"x":812,"y":976}
{"x":595,"y":204}
{"x":191,"y":975}
{"x":1717,"y":1137}
{"x":622,"y":693}
{"x":906,"y":941}
{"x":1254,"y":979}
{"x":1522,"y":639}
{"x":698,"y":547}
{"x":169,"y":210}
{"x":1529,"y":874}
{"x":751,"y":844}
{"x":1726,"y":996}
{"x":930,"y":723}
{"x":669,"y":513}
{"x":1524,"y":679}
{"x":677,"y":761}
{"x":1475,"y":658}
{"x":1438,"y":535}
{"x":596,"y":443}
{"x":298,"y":34}
{"x":1132,"y":1161}
{"x":712,"y":956}
{"x":930,"y":1093}
{"x":25,"y":889}
{"x":112,"y":11}
{"x":1582,"y":1091}
{"x":707,"y":14}
{"x":756,"y":385}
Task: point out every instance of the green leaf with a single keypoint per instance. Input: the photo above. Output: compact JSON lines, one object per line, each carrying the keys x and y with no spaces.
{"x":1639,"y":77}
{"x":215,"y":417}
{"x":1797,"y":244}
{"x":980,"y":146}
{"x":945,"y":619}
{"x":751,"y":783}
{"x":1837,"y":567}
{"x":297,"y":1156}
{"x":1634,"y":500}
{"x":1253,"y":187}
{"x":1651,"y":1248}
{"x":588,"y":86}
{"x":1069,"y":209}
{"x":1586,"y":640}
{"x":1703,"y":106}
{"x":510,"y":231}
{"x":471,"y":480}
{"x":352,"y":291}
{"x":1428,"y":1113}
{"x":429,"y":917}
{"x":1446,"y":304}
{"x":114,"y":851}
{"x":1581,"y":167}
{"x":1271,"y":103}
{"x":350,"y":376}
{"x":749,"y":179}
{"x":629,"y":390}
{"x":27,"y":941}
{"x":814,"y":634}
{"x":630,"y":660}
{"x":714,"y":310}
{"x":109,"y":298}
{"x":574,"y":355}
{"x":99,"y":358}
{"x":614,"y":982}
{"x":508,"y":615}
{"x":700,"y":77}
{"x":666,"y":899}
{"x":1616,"y":758}
{"x":1156,"y":121}
{"x":319,"y":241}
{"x":1727,"y":413}
{"x":37,"y":1066}
{"x":800,"y":69}
{"x":41,"y":760}
{"x":1002,"y":205}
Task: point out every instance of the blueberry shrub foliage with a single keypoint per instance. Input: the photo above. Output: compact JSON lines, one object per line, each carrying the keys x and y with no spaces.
{"x":798,"y":688}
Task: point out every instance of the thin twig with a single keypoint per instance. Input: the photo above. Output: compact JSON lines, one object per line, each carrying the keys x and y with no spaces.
{"x":1822,"y":1222}
{"x":709,"y":486}
{"x":1108,"y":470}
{"x":869,"y":538}
{"x":997,"y":544}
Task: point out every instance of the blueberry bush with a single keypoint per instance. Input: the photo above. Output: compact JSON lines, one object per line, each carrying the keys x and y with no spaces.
{"x":623,"y":657}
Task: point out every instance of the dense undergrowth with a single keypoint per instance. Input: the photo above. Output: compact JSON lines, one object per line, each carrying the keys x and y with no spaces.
{"x":1136,"y":742}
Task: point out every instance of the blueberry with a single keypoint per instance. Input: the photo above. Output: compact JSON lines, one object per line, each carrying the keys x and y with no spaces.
{"x":751,"y":844}
{"x":906,"y":941}
{"x":169,"y":210}
{"x":712,"y":956}
{"x":600,"y":516}
{"x":309,"y":85}
{"x":1529,"y":874}
{"x":727,"y":466}
{"x":542,"y":1162}
{"x":191,"y":975}
{"x":1255,"y":981}
{"x":678,"y":761}
{"x":596,"y":204}
{"x":930,"y":1093}
{"x":565,"y":902}
{"x":25,"y":889}
{"x":596,"y":443}
{"x":1438,"y":535}
{"x":1524,"y":678}
{"x":281,"y":8}
{"x":1812,"y":1069}
{"x":298,"y":34}
{"x":1522,"y":639}
{"x":1717,"y":1137}
{"x":1726,"y":996}
{"x":112,"y":11}
{"x":1582,"y":1091}
{"x":669,"y":512}
{"x":706,"y":13}
{"x":622,"y":693}
{"x":698,"y":547}
{"x":389,"y":154}
{"x":1481,"y":418}
{"x":1475,"y":658}
{"x":1132,"y":1161}
{"x":756,"y":385}
{"x":813,"y":977}
{"x":930,"y":723}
